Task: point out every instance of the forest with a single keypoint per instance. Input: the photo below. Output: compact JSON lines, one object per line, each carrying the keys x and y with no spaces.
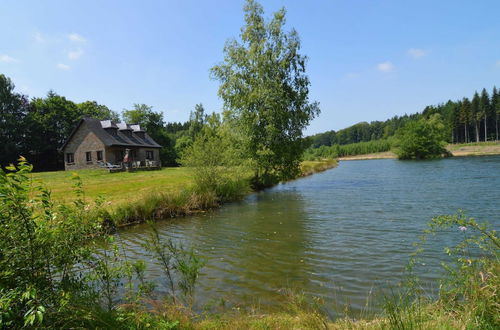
{"x":466,"y":120}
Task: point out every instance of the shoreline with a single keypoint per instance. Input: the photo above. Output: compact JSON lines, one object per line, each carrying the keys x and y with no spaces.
{"x":460,"y":150}
{"x":186,"y":202}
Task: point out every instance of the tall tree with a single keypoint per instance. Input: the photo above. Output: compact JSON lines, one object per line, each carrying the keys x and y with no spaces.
{"x":13,"y":110}
{"x":465,"y":117}
{"x":50,"y":122}
{"x":484,"y":110}
{"x":265,"y":91}
{"x":197,"y":120}
{"x":93,"y":109}
{"x":476,"y":114}
{"x":495,"y":106}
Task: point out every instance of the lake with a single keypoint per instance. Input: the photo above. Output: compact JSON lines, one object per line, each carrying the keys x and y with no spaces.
{"x":340,"y":235}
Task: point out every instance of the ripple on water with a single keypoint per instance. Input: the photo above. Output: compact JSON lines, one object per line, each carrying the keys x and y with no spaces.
{"x":338,"y":235}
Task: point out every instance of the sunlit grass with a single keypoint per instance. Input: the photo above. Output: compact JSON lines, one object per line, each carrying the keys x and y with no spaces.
{"x":117,"y":188}
{"x":125,"y":188}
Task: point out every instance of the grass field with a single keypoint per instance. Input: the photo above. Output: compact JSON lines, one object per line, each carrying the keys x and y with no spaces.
{"x":127,"y":187}
{"x":117,"y":188}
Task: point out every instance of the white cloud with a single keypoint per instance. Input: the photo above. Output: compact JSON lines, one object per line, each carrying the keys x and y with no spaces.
{"x":417,"y":52}
{"x":39,"y":37}
{"x":7,"y":59}
{"x":75,"y":54}
{"x":498,"y":64}
{"x":385,"y":67}
{"x":62,"y":66}
{"x":76,"y":37}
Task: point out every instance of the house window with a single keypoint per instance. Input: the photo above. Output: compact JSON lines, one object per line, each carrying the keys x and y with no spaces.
{"x":149,"y":155}
{"x":119,"y":155}
{"x":99,"y":155}
{"x":70,"y":158}
{"x":88,"y":155}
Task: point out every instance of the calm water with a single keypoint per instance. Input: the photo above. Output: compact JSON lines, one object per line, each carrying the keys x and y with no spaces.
{"x":337,"y":235}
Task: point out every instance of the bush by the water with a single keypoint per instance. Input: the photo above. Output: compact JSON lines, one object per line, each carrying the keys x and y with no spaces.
{"x":54,"y":271}
{"x":216,"y":162}
{"x":422,"y":139}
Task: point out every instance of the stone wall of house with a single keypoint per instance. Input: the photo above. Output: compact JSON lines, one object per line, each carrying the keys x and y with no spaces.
{"x":83,"y":141}
{"x":141,"y":153}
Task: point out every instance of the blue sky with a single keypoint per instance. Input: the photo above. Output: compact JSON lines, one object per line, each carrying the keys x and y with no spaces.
{"x":368,"y":60}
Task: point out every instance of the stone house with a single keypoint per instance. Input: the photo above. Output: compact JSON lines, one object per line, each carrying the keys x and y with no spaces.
{"x":94,"y":143}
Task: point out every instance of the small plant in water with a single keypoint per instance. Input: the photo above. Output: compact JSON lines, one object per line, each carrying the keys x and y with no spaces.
{"x":178,"y":263}
{"x":468,"y":291}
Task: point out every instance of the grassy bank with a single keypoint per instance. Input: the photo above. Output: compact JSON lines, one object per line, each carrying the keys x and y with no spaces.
{"x":457,"y":150}
{"x":134,"y":197}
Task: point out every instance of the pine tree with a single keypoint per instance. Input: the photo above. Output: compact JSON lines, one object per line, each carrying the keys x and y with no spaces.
{"x":484,"y":110}
{"x":465,"y":117}
{"x":495,"y":106}
{"x":476,"y":114}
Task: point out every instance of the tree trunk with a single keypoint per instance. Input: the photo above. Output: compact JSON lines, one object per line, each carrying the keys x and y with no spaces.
{"x":465,"y":134}
{"x":485,"y":130}
{"x":496,"y":126}
{"x":477,"y":130}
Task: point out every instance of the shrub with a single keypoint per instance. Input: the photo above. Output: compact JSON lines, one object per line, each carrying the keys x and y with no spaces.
{"x":40,"y":244}
{"x":468,"y":292}
{"x":422,"y":139}
{"x":216,"y":163}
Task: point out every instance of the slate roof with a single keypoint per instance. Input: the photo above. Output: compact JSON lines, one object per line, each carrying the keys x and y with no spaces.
{"x":103,"y":129}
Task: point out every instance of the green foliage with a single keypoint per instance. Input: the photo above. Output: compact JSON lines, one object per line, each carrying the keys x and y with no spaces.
{"x":217,"y":164}
{"x":58,"y":269}
{"x":177,"y":262}
{"x":197,"y":119}
{"x":421,"y":139}
{"x":40,"y":244}
{"x":353,"y":149}
{"x":468,"y":290}
{"x":92,"y":109}
{"x":13,"y":110}
{"x":265,"y":91}
{"x":461,"y":118}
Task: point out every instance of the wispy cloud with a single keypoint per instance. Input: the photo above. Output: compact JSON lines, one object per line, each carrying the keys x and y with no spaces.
{"x":7,"y":59}
{"x":75,"y":54}
{"x":417,"y":52}
{"x":63,"y":66}
{"x":498,"y":64}
{"x":39,"y":37}
{"x":76,"y":37}
{"x":385,"y":67}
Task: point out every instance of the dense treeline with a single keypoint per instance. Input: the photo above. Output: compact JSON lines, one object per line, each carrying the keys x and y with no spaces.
{"x":36,"y":128}
{"x":466,"y":120}
{"x":352,"y":149}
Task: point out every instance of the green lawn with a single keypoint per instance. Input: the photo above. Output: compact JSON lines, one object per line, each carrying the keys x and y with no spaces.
{"x":116,"y":188}
{"x":123,"y":187}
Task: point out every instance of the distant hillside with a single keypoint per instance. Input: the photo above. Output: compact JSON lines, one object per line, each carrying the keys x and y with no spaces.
{"x":465,"y":121}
